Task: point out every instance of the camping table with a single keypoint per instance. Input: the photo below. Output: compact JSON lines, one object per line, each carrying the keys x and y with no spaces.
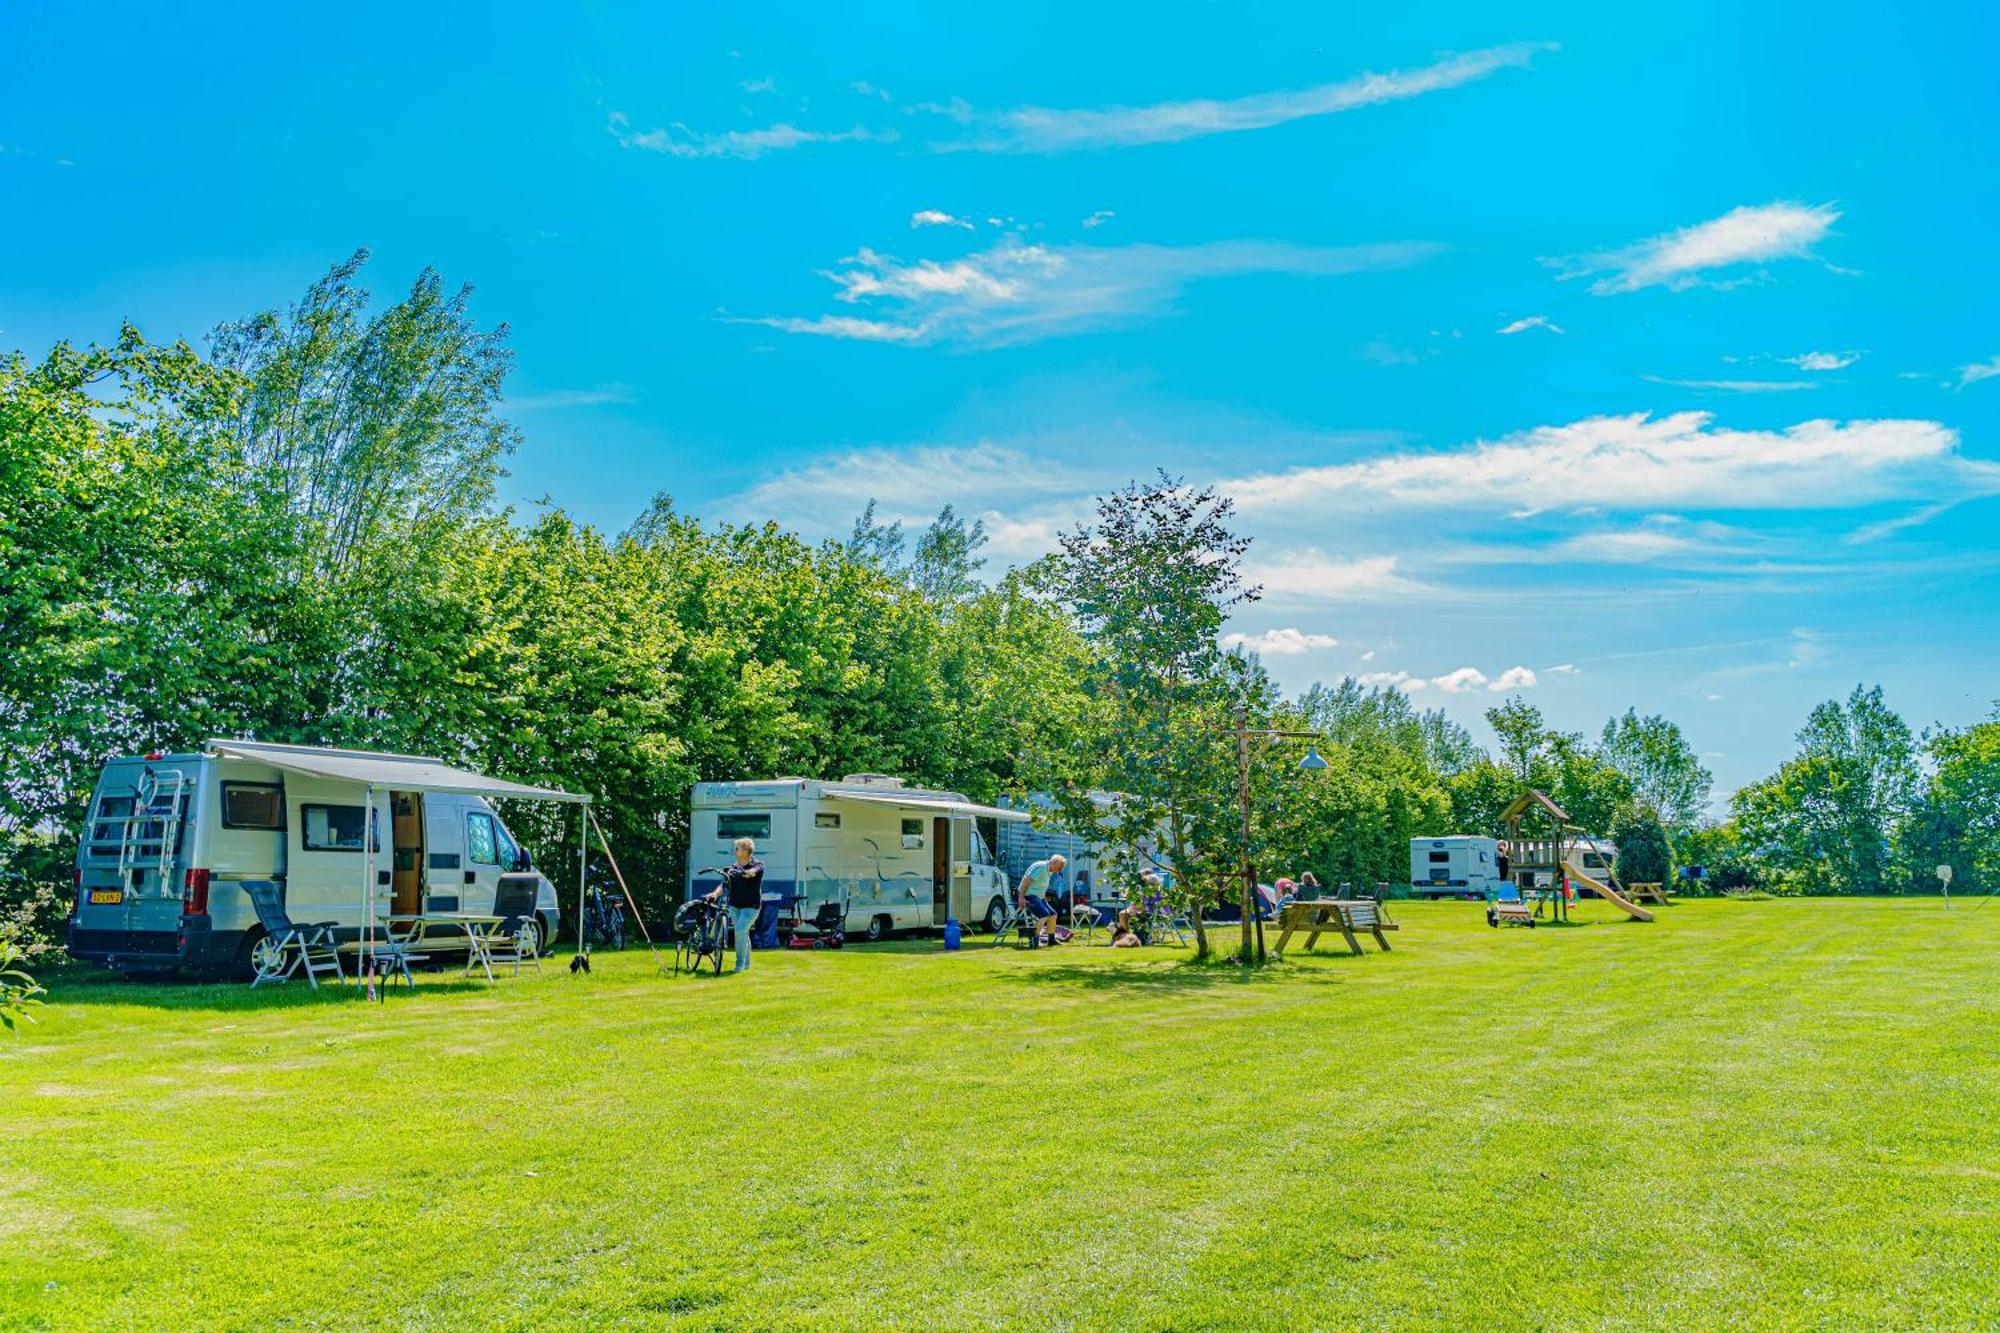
{"x":479,"y":929}
{"x":1346,"y":915}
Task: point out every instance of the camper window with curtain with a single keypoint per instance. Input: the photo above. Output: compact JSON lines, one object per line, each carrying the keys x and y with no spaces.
{"x":481,"y":843}
{"x":757,"y":828}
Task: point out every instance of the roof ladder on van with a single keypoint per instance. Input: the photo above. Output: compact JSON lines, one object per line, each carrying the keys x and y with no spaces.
{"x":159,"y":804}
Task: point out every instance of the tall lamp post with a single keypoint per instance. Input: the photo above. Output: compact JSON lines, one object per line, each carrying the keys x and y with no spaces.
{"x":1312,"y":763}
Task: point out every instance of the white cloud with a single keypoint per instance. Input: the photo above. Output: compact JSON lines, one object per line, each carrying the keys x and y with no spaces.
{"x":1822,"y":360}
{"x":1562,"y":669}
{"x":1462,"y":681}
{"x":1286,"y":642}
{"x":1977,"y":371}
{"x":1736,"y":386}
{"x":759,"y":85}
{"x":678,"y":140}
{"x":1465,"y":680}
{"x":601,"y":395}
{"x":1530,"y":322}
{"x":1016,"y":292}
{"x":1681,"y":460}
{"x":841,"y":326}
{"x":1310,"y":573}
{"x":1098,"y":219}
{"x":1658,"y":537}
{"x":867,"y":89}
{"x":1048,"y":130}
{"x":934,"y":217}
{"x":1679,"y":259}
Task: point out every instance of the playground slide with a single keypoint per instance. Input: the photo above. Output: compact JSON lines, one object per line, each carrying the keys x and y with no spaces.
{"x":1606,"y":892}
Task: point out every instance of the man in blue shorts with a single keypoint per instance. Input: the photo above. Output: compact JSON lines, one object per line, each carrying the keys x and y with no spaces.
{"x":1034,"y":895}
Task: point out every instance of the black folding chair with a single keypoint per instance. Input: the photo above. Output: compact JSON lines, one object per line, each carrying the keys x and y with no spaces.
{"x":287,"y":947}
{"x":517,"y":939}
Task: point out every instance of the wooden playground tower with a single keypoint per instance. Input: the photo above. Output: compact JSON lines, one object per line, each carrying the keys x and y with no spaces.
{"x":1542,"y":839}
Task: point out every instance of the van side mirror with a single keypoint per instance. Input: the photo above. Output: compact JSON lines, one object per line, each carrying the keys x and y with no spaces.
{"x":523,"y":861}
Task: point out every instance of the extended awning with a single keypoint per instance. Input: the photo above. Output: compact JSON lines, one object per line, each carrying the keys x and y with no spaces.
{"x":393,"y":772}
{"x":944,"y":805}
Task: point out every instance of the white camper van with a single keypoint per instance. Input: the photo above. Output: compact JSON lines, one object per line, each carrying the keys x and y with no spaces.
{"x":170,"y":838}
{"x":901,"y":857}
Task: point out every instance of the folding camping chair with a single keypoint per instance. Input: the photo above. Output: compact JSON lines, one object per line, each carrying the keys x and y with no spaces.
{"x":287,"y":947}
{"x":517,"y":938}
{"x":1084,"y":918}
{"x":1018,"y":921}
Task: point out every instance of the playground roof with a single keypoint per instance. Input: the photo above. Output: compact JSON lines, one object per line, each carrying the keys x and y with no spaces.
{"x":1530,"y":799}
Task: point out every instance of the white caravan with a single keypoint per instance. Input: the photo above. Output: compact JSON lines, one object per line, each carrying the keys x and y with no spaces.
{"x":170,"y":838}
{"x":1459,"y":866}
{"x":900,"y":857}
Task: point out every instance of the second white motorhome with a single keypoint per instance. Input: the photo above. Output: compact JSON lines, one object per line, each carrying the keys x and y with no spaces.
{"x":900,"y":857}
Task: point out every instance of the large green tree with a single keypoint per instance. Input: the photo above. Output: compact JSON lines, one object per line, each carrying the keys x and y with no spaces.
{"x":1662,"y":768}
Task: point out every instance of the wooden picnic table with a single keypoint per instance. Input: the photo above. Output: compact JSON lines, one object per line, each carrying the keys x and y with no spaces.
{"x":1350,"y":916}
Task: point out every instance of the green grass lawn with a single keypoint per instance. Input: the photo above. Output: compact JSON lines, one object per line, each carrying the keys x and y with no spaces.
{"x":1749,"y":1113}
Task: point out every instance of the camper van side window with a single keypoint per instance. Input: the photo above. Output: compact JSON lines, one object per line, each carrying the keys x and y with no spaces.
{"x":335,"y":828}
{"x":253,"y":805}
{"x":913,"y":833}
{"x":757,"y":828}
{"x":480,"y":845}
{"x":826,"y":819}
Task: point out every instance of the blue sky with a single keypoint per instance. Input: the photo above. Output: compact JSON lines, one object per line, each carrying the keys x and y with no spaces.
{"x":1619,"y":357}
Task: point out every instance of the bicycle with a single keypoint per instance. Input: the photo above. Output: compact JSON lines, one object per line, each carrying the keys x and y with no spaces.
{"x":701,"y":931}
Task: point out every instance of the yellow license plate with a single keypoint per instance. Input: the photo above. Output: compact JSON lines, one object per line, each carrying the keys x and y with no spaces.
{"x":110,"y":896}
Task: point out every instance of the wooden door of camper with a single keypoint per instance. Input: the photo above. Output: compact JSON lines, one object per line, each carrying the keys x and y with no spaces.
{"x":407,"y":832}
{"x":940,"y":869}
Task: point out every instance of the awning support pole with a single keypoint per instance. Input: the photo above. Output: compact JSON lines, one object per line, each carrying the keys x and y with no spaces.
{"x":582,"y":861}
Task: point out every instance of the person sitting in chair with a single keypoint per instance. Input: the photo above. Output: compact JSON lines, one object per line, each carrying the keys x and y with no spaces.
{"x":1033,"y":895}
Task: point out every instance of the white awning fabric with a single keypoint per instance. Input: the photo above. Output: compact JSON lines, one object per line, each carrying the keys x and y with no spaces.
{"x":941,"y":804}
{"x":399,"y":772}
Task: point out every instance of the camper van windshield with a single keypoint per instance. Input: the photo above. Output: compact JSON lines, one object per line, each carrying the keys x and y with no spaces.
{"x":334,"y":828}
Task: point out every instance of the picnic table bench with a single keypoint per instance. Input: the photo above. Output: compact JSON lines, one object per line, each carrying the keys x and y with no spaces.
{"x":1352,"y":917}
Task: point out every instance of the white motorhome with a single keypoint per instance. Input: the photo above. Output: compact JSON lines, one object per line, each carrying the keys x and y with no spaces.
{"x":900,"y":857}
{"x":170,"y":838}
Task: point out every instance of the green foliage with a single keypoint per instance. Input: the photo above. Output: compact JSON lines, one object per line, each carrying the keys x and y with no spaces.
{"x":1662,"y":768}
{"x":18,"y":992}
{"x":1832,"y":819}
{"x":1645,"y":852}
{"x":1957,"y":822}
{"x":1151,"y":582}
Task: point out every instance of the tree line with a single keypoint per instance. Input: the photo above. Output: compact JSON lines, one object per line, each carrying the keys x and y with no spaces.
{"x":294,"y":535}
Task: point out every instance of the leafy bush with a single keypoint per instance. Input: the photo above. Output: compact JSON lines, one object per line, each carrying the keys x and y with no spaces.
{"x":18,"y":991}
{"x":1645,"y":855}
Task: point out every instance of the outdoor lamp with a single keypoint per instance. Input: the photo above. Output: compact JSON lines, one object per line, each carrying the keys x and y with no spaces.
{"x":1312,"y":763}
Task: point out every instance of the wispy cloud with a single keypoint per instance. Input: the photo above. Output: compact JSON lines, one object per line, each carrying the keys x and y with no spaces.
{"x":1977,"y":371}
{"x":678,"y":140}
{"x":1736,"y":386}
{"x":1289,"y":641}
{"x":1016,"y":292}
{"x":1681,"y":460}
{"x":937,"y":217}
{"x":1682,"y":259}
{"x":1034,"y":129}
{"x":1531,"y":322}
{"x":1821,"y":361}
{"x":1658,"y":537}
{"x":1098,"y":219}
{"x":1314,"y":575}
{"x":759,"y":85}
{"x":556,"y":399}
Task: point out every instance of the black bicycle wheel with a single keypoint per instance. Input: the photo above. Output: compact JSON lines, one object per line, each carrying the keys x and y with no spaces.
{"x":719,"y":943}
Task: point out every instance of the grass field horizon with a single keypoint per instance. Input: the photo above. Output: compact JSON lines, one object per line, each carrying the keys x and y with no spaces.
{"x":1775,"y":1113}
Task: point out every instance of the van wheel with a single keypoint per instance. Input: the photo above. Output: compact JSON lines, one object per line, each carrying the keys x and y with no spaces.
{"x":245,"y":966}
{"x":996,"y":916}
{"x":878,"y":929}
